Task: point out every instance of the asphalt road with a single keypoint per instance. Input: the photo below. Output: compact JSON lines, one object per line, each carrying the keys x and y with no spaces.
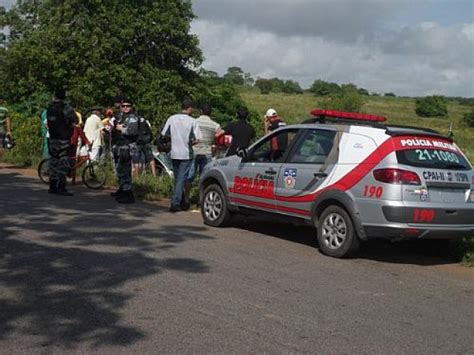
{"x":85,"y":274}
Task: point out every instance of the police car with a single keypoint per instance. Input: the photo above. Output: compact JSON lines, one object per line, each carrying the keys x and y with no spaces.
{"x":352,"y":176}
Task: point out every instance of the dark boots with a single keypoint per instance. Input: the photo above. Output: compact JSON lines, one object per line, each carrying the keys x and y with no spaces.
{"x":58,"y":188}
{"x":125,"y":197}
{"x":53,"y":186}
{"x":117,"y":193}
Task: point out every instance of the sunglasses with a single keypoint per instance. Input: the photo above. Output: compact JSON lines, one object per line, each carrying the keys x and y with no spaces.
{"x":126,"y":105}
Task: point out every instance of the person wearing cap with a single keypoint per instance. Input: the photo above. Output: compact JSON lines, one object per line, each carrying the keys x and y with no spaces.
{"x":61,"y":119}
{"x":5,"y":122}
{"x":93,"y":130}
{"x":125,"y":146}
{"x":272,"y":121}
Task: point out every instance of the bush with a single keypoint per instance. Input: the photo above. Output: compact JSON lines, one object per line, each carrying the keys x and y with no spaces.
{"x":264,"y":85}
{"x":431,"y":106}
{"x":27,"y":135}
{"x":153,"y":188}
{"x":469,"y":254}
{"x":469,"y":118}
{"x":350,"y":101}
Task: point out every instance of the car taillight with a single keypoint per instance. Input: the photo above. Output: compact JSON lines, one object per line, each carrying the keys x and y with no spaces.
{"x":397,"y":176}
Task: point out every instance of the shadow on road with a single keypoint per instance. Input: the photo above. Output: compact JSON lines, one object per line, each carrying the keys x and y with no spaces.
{"x":64,"y":262}
{"x":416,"y":252}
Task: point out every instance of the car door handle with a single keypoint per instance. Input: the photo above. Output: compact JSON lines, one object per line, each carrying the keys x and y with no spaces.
{"x":270,"y":172}
{"x":320,"y":175}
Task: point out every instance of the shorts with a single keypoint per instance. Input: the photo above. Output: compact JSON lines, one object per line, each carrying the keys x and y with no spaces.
{"x":142,"y":154}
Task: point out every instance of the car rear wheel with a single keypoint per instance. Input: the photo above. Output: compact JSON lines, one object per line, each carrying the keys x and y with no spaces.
{"x":214,"y":207}
{"x":336,"y":235}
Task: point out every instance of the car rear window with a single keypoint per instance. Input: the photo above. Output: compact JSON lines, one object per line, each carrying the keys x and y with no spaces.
{"x":433,"y":158}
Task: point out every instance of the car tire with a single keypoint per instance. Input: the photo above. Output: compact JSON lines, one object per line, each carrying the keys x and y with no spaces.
{"x":336,"y":234}
{"x":214,"y":209}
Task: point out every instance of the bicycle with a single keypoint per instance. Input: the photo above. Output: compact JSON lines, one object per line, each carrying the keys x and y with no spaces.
{"x":93,"y":173}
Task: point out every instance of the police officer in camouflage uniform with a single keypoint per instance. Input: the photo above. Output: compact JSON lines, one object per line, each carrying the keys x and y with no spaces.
{"x":124,"y":147}
{"x":61,"y":118}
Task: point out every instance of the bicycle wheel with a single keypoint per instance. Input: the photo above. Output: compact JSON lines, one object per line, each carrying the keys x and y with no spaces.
{"x":43,"y":171}
{"x":94,"y":175}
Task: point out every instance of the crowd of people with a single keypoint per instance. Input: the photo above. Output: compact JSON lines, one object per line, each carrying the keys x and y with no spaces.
{"x":128,"y":137}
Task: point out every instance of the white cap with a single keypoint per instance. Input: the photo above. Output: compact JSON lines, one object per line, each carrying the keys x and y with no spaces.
{"x":271,"y":113}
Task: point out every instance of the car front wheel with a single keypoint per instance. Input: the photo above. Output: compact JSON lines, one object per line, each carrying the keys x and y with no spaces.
{"x":336,"y":235}
{"x":214,"y":207}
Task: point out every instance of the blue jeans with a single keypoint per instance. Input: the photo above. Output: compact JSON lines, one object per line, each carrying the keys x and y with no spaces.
{"x":181,"y":171}
{"x":197,"y":167}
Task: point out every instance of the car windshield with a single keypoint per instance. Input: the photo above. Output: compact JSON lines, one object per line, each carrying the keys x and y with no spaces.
{"x":433,"y":158}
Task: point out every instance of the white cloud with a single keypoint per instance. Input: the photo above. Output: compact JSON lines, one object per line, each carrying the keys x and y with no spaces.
{"x":344,"y":20}
{"x":340,"y":40}
{"x":413,"y":67}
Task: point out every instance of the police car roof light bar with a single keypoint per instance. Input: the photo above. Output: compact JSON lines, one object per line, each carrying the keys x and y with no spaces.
{"x":347,"y":115}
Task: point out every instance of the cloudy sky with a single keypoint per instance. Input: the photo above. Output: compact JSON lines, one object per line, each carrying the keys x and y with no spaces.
{"x":409,"y":47}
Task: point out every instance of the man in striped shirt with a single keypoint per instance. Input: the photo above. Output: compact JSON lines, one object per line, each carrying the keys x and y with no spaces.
{"x":203,"y":148}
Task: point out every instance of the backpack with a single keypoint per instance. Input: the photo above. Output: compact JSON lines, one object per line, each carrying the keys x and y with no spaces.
{"x":145,"y":135}
{"x":163,"y":142}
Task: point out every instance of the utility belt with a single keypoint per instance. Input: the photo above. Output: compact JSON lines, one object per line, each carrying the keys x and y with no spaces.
{"x":124,"y":152}
{"x":124,"y":140}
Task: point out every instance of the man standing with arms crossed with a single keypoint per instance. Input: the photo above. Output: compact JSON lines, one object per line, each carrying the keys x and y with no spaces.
{"x":125,"y":146}
{"x":184,"y":132}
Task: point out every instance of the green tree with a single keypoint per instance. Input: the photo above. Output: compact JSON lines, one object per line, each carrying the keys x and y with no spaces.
{"x":364,"y":92}
{"x":292,"y":87}
{"x":234,"y":75}
{"x":346,"y":88}
{"x":209,"y":76}
{"x":277,"y":85}
{"x":98,"y":49}
{"x":323,"y":88}
{"x":264,"y":85}
{"x":431,"y":106}
{"x":248,"y":80}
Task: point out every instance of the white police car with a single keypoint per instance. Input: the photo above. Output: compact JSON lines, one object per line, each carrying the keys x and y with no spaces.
{"x":350,"y":175}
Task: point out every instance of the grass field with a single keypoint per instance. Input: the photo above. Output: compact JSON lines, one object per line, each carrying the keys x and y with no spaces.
{"x":295,"y":108}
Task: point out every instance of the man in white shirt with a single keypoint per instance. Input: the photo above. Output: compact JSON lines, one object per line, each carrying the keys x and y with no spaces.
{"x":93,"y":130}
{"x":184,"y":132}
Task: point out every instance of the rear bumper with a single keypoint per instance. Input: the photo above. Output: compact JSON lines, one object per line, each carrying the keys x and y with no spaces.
{"x":418,"y":231}
{"x":448,"y":217}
